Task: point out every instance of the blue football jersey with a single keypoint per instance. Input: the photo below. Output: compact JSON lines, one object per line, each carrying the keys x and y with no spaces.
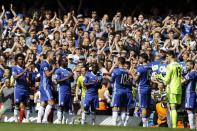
{"x":61,"y":73}
{"x":120,"y":79}
{"x":144,"y":72}
{"x":44,"y":80}
{"x":191,"y":79}
{"x":89,"y":78}
{"x":21,"y":82}
{"x":129,"y":85}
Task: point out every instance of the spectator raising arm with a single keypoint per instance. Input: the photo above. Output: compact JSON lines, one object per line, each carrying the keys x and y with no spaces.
{"x":54,"y":18}
{"x":20,"y":27}
{"x":12,"y":10}
{"x":3,"y":13}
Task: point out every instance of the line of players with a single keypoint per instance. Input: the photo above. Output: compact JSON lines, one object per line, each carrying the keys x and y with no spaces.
{"x":121,"y":80}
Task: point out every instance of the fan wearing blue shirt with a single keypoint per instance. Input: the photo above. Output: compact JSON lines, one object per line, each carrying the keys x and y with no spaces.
{"x":119,"y":78}
{"x":144,"y":90}
{"x":190,"y":81}
{"x":186,"y":27}
{"x":92,"y":81}
{"x":63,"y":78}
{"x":21,"y":90}
{"x":47,"y":68}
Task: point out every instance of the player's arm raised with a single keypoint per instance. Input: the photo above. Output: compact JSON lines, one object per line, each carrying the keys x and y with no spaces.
{"x":108,"y":75}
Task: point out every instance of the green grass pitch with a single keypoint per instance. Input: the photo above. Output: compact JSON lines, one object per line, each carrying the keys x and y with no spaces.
{"x":54,"y":127}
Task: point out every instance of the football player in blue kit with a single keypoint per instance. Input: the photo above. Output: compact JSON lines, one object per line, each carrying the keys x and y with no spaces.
{"x":47,"y":68}
{"x":190,"y":80}
{"x":63,"y":78}
{"x":92,"y":81}
{"x":129,"y":93}
{"x":21,"y":90}
{"x":119,"y":78}
{"x":144,"y":90}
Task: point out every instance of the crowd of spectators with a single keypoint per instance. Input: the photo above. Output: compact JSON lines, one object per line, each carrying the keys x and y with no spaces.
{"x":87,"y":39}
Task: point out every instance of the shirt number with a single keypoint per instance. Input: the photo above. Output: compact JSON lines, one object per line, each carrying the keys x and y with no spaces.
{"x":124,"y":79}
{"x":178,"y":71}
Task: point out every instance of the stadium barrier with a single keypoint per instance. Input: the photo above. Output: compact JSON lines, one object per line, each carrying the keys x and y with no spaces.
{"x":100,"y":119}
